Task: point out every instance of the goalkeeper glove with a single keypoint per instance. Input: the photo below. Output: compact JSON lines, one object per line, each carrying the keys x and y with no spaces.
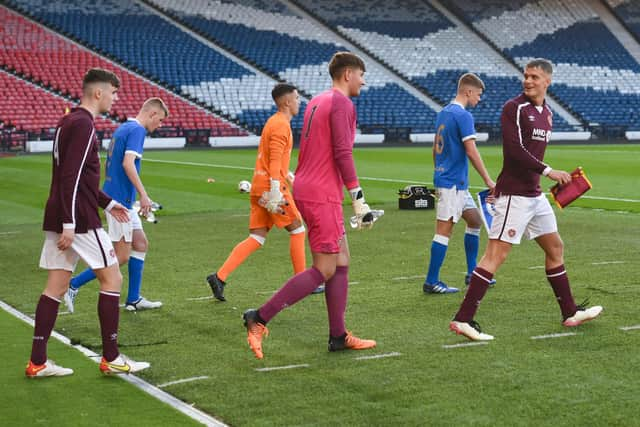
{"x":363,"y":216}
{"x":272,"y":200}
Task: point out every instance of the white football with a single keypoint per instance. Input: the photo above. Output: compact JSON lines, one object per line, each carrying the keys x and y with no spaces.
{"x":244,"y":186}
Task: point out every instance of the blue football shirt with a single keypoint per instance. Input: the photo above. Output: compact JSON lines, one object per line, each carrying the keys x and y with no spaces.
{"x":128,"y":138}
{"x":454,"y":125}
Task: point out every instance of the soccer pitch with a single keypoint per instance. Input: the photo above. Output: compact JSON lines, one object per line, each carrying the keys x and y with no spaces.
{"x":421,"y":377}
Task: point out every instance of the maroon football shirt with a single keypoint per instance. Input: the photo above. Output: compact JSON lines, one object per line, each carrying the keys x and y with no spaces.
{"x":525,"y":134}
{"x":75,"y":192}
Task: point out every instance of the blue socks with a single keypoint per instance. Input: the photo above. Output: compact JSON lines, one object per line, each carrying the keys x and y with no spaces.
{"x":82,"y":278}
{"x":471,"y":245}
{"x":136,"y":266}
{"x":438,"y":252}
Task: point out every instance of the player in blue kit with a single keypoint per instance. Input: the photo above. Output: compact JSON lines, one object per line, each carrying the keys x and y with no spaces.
{"x":455,"y":142}
{"x":122,"y":182}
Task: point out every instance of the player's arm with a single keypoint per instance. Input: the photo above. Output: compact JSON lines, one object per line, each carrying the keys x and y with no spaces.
{"x":476,"y":160}
{"x":277,"y":145}
{"x":468,"y":131}
{"x":129,"y":166}
{"x":71,"y":163}
{"x":512,"y":140}
{"x":342,"y":141}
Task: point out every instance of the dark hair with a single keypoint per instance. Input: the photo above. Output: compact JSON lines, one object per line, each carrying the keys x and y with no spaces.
{"x":544,"y":64}
{"x":282,"y":89}
{"x":470,"y":79}
{"x":100,"y":75}
{"x":156,"y":103}
{"x":342,"y":60}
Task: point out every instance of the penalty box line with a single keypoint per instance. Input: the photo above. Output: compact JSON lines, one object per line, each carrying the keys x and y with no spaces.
{"x":141,"y":384}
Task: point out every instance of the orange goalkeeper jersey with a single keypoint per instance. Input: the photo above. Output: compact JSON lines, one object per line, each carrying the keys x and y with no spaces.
{"x":274,"y":154}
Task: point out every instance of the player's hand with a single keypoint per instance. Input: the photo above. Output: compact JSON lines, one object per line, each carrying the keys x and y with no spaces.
{"x":119,"y":212}
{"x":145,"y":205}
{"x":490,"y":185}
{"x":66,"y":238}
{"x":561,"y":177}
{"x":361,"y":209}
{"x":290,"y":178}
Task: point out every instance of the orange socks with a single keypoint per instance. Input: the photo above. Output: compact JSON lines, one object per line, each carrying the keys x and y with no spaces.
{"x":238,"y":255}
{"x":296,"y":249}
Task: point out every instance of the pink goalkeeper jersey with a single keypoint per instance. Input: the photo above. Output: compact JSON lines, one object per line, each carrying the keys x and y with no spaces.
{"x":325,"y":163}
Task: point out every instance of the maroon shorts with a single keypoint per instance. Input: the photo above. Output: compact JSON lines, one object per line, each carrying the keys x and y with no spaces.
{"x":325,"y":225}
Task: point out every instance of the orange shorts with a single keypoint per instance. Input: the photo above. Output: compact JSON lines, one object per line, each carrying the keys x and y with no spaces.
{"x":325,"y":226}
{"x":260,"y":217}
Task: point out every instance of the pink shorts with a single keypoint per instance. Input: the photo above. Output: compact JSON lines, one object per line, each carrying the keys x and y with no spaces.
{"x":325,"y":225}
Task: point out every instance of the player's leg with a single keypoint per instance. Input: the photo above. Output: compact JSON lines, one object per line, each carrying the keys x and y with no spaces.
{"x":512,"y":214}
{"x":471,"y":216}
{"x":118,"y":231}
{"x":113,"y":362}
{"x":297,"y":248}
{"x":326,"y":229}
{"x":448,"y":212}
{"x":481,"y":278}
{"x":336,"y":295}
{"x":296,"y":245}
{"x":544,"y":229}
{"x":259,"y":225}
{"x":45,"y":319}
{"x":137,"y":252}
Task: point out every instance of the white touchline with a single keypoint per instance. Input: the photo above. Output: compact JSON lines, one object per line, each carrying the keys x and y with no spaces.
{"x":7,"y":233}
{"x":150,"y":389}
{"x":266,"y":292}
{"x":407,"y":277}
{"x":186,"y":380}
{"x":200,"y":298}
{"x":466,"y":344}
{"x":607,"y":262}
{"x":536,"y":267}
{"x":564,"y":334}
{"x":629,"y":328}
{"x":353,"y":283}
{"x":378,"y":356}
{"x":367,"y":178}
{"x":278,"y":368}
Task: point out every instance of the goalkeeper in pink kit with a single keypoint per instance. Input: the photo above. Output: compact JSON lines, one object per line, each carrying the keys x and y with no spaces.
{"x":325,"y":167}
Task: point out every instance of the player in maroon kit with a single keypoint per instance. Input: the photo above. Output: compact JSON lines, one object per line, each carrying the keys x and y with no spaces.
{"x":521,"y":208}
{"x":73,"y":229}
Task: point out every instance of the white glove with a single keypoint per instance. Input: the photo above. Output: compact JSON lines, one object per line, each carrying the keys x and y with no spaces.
{"x":273,"y":200}
{"x":362,"y":211}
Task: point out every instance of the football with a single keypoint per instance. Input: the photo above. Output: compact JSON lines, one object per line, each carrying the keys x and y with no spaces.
{"x":244,"y":186}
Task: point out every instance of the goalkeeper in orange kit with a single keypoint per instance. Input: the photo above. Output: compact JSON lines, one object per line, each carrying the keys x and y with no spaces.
{"x":271,"y":200}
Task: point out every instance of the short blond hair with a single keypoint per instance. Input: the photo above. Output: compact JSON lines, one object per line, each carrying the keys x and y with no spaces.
{"x":156,"y":102}
{"x":470,"y":79}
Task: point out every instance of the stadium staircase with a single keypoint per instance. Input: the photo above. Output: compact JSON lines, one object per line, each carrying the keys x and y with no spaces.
{"x":618,"y":27}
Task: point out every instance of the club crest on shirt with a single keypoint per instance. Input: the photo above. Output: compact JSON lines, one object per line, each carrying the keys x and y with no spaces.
{"x":511,"y":232}
{"x":532,"y":119}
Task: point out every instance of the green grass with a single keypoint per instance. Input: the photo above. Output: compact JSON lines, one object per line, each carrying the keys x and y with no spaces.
{"x":587,"y":378}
